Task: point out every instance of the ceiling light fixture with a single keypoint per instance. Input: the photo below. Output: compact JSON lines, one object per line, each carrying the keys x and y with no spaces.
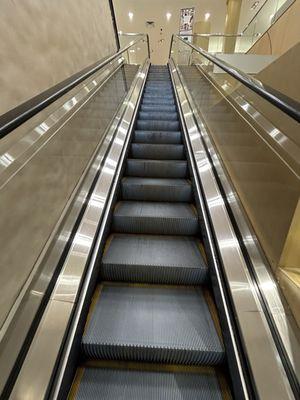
{"x":130,"y":15}
{"x":254,"y":5}
{"x":168,"y":15}
{"x":206,"y":16}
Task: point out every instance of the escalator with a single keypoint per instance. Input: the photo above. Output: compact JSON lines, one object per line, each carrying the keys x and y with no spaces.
{"x":152,"y":330}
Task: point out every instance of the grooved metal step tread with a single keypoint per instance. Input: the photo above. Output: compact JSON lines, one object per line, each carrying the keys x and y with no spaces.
{"x":156,"y":168}
{"x":160,"y":100}
{"x":155,"y":107}
{"x":156,"y":189}
{"x":166,"y":84}
{"x":157,"y":151}
{"x":158,"y":95}
{"x":157,"y":125}
{"x":158,"y":137}
{"x":153,"y":259}
{"x":159,"y":86}
{"x":116,"y":384}
{"x":158,"y":115}
{"x":152,"y":324}
{"x":155,"y":218}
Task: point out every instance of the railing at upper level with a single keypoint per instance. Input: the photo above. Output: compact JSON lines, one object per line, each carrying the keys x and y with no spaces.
{"x":289,"y":106}
{"x":263,"y":19}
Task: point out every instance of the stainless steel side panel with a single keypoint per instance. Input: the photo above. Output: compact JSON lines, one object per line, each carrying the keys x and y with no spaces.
{"x":268,"y":373}
{"x":35,"y":376}
{"x":38,"y":275}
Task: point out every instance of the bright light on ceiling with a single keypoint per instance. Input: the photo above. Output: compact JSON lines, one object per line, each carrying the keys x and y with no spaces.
{"x":168,"y":15}
{"x":206,"y":16}
{"x":130,"y":15}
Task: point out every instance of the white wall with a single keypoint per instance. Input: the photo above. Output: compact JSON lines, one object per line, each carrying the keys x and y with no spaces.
{"x":43,"y":42}
{"x":155,"y":10}
{"x":270,"y":7}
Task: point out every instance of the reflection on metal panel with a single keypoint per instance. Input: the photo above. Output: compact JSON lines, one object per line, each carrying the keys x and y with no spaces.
{"x":34,"y":378}
{"x":51,"y":180}
{"x":267,"y":187}
{"x":258,"y":342}
{"x":281,"y":317}
{"x":44,"y":185}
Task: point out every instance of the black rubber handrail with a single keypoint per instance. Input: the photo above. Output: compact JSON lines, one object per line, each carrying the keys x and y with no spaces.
{"x":289,"y":106}
{"x":16,"y":117}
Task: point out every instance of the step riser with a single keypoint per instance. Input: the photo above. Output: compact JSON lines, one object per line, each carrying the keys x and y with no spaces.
{"x":158,"y":101}
{"x":157,"y":151}
{"x":158,"y":116}
{"x":155,"y":170}
{"x":160,"y":355}
{"x":156,"y":108}
{"x":150,"y":96}
{"x":155,"y":226}
{"x":158,"y":125}
{"x":157,"y":137}
{"x":157,"y":193}
{"x":152,"y":275}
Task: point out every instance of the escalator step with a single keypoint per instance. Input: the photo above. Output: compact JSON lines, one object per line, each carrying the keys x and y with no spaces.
{"x":156,"y":189}
{"x":158,"y":115}
{"x":157,"y":151}
{"x":154,"y":259}
{"x":166,"y":84}
{"x":159,"y":86}
{"x":158,"y":137}
{"x":147,"y":125}
{"x":157,"y":77}
{"x":159,"y":100}
{"x":155,"y":218}
{"x":158,"y":95}
{"x":158,"y":90}
{"x":156,"y":107}
{"x":156,"y":168}
{"x":116,"y":384}
{"x":152,"y":324}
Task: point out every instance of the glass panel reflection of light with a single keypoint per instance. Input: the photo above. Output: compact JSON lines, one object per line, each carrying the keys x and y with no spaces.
{"x":97,"y":201}
{"x":215,"y":202}
{"x":111,"y":162}
{"x":227,"y":243}
{"x":83,"y":240}
{"x":6,"y":159}
{"x":108,"y":170}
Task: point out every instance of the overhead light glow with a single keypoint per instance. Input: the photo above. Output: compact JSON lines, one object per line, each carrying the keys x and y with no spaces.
{"x":206,"y":16}
{"x":254,"y":5}
{"x":130,"y":15}
{"x":168,"y":15}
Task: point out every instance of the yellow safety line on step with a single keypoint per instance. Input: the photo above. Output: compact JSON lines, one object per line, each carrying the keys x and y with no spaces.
{"x":107,"y":244}
{"x":226,"y":394}
{"x":213,"y":311}
{"x":95,"y":298}
{"x":117,"y":206}
{"x":140,"y":366}
{"x":76,"y":383}
{"x":202,"y":251}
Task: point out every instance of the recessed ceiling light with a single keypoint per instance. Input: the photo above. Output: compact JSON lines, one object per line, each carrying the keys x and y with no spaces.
{"x":130,"y":15}
{"x":206,"y":16}
{"x":254,"y":5}
{"x":168,"y":15}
